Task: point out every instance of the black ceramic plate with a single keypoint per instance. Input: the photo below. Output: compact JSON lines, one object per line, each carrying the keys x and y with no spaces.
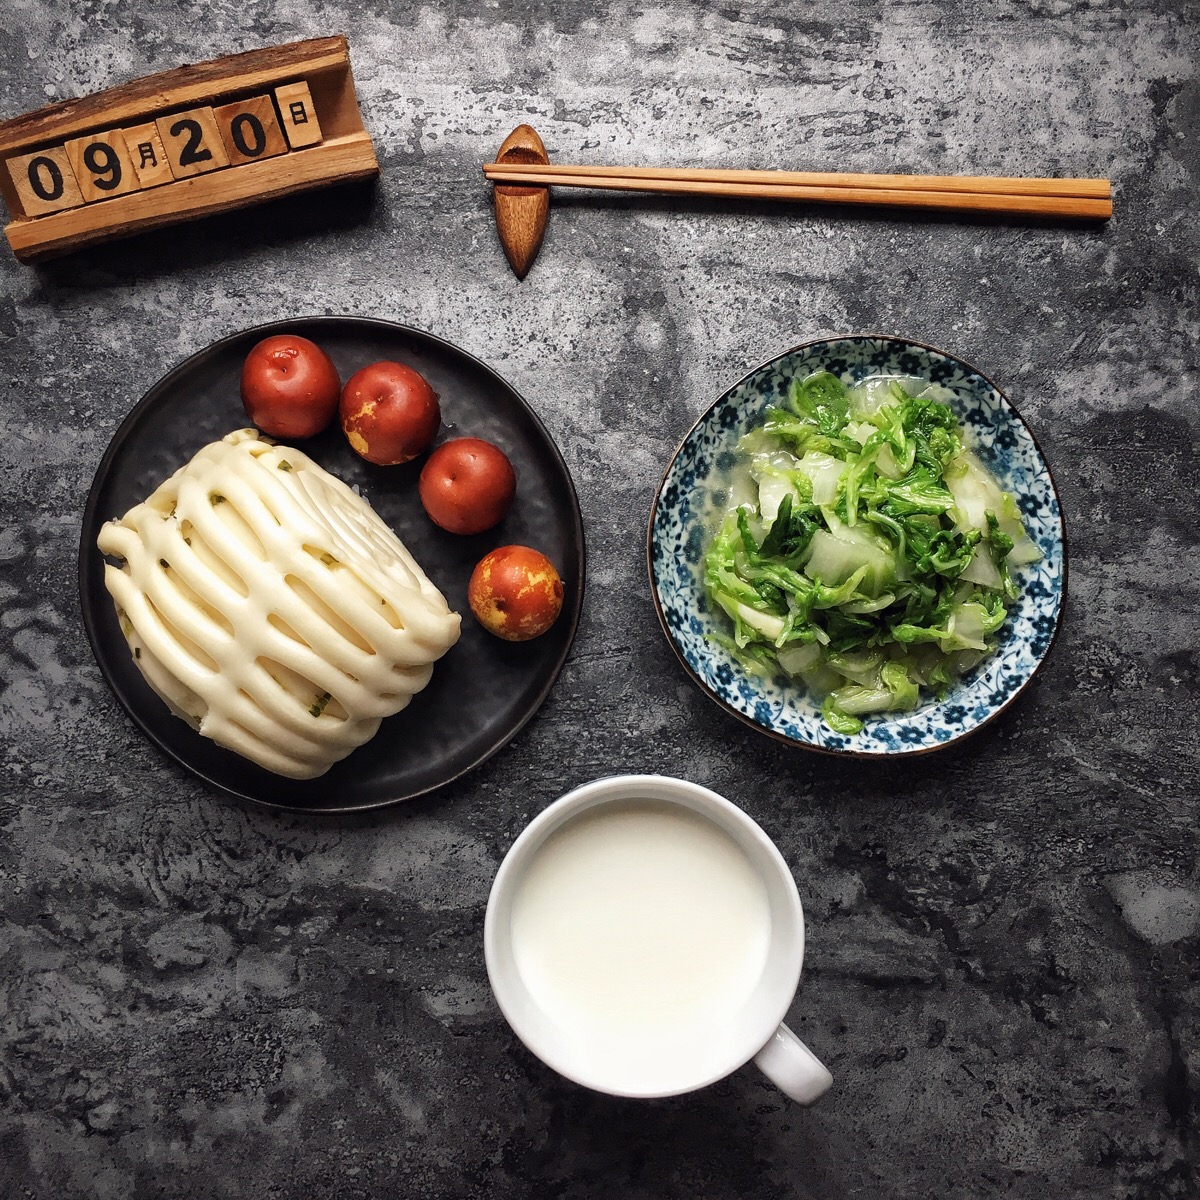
{"x":484,"y":690}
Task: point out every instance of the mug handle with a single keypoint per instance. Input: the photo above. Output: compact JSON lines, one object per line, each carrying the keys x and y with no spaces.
{"x":793,"y":1068}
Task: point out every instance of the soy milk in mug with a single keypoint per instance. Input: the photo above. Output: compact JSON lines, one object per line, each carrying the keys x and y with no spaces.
{"x":640,"y":919}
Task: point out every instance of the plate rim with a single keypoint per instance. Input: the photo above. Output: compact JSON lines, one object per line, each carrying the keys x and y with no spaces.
{"x":87,"y":553}
{"x":848,"y":751}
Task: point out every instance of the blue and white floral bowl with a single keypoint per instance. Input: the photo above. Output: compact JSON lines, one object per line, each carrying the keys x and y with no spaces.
{"x":689,"y":507}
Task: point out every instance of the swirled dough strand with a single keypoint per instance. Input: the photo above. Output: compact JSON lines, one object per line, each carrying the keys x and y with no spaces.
{"x":270,"y":606}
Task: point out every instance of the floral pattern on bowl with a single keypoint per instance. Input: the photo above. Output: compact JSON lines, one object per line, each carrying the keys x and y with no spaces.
{"x":689,"y":506}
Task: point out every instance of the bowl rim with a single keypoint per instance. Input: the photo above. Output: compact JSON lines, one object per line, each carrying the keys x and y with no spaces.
{"x":849,"y":751}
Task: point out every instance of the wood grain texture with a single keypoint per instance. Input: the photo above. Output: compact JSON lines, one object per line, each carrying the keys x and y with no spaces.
{"x":340,"y":160}
{"x":298,"y":114}
{"x":522,"y":212}
{"x":148,"y":155}
{"x":250,"y":130}
{"x":193,"y":142}
{"x":1007,"y":185}
{"x":181,"y":86}
{"x":1077,"y":207}
{"x":176,"y":147}
{"x":44,"y":181}
{"x":102,"y":166}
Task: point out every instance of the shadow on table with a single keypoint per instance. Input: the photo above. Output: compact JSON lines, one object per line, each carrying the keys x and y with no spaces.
{"x":840,"y":784}
{"x":723,"y":1140}
{"x":213,"y":240}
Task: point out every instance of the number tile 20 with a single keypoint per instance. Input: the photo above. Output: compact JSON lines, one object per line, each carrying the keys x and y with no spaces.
{"x":193,"y":142}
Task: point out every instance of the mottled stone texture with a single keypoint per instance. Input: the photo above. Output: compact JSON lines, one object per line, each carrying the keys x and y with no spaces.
{"x":202,"y":1000}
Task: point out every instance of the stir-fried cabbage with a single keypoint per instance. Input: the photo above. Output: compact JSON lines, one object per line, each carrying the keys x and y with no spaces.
{"x":873,"y":560}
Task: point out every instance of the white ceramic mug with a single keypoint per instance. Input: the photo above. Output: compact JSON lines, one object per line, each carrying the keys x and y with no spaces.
{"x":756,"y":1032}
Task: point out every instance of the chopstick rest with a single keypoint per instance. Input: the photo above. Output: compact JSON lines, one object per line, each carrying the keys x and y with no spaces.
{"x":521,"y":211}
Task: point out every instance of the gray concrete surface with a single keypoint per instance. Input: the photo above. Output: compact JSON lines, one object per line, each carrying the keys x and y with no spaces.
{"x":200,"y":1000}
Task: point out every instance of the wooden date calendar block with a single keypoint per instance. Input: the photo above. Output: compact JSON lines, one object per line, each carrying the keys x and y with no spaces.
{"x":193,"y":142}
{"x":148,"y":155}
{"x":250,"y":130}
{"x":102,"y":166}
{"x":44,"y":181}
{"x":299,"y":116}
{"x":188,"y":142}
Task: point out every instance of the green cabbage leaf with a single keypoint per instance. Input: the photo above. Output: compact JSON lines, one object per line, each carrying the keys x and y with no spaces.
{"x":875,"y":564}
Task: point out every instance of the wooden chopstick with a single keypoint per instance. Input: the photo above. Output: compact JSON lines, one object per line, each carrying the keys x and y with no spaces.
{"x":1096,"y":189}
{"x":630,"y":179}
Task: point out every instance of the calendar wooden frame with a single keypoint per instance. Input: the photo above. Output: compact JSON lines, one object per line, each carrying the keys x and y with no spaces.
{"x":345,"y":151}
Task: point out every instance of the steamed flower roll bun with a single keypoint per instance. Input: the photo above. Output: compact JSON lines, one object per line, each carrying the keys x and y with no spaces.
{"x":270,"y":606}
